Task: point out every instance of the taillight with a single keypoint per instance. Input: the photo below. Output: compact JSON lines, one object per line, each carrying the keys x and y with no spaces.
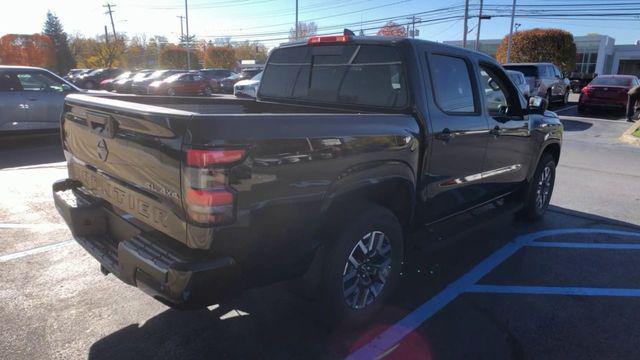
{"x":209,"y":200}
{"x":585,"y":90}
{"x":328,"y":39}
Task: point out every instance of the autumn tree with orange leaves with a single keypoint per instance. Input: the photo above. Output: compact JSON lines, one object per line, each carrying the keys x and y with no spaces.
{"x":29,"y":50}
{"x":392,"y":29}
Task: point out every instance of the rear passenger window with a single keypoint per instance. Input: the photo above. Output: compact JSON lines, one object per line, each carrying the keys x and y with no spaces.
{"x":451,"y":83}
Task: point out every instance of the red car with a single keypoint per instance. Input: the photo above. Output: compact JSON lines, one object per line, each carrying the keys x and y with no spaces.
{"x":607,"y":91}
{"x":182,"y":84}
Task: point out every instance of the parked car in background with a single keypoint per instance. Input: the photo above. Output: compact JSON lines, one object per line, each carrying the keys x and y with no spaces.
{"x":182,"y":84}
{"x":247,"y":88}
{"x":73,"y":73}
{"x":579,"y":80}
{"x":545,"y":80}
{"x":226,"y":84}
{"x":93,"y":79}
{"x":124,"y":85}
{"x":215,"y":75}
{"x":607,"y":92}
{"x":140,"y":86}
{"x":31,"y":98}
{"x":519,"y":80}
{"x":107,"y":84}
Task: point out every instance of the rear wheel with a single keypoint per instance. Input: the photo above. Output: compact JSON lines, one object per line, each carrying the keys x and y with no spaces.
{"x":171,"y":92}
{"x":565,"y":99}
{"x":89,"y":85}
{"x":362,"y":266}
{"x":208,"y":91}
{"x":540,"y":189}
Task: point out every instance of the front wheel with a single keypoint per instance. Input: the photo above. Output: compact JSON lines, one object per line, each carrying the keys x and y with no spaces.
{"x":208,"y":91}
{"x":362,"y":266}
{"x":171,"y":92}
{"x":540,"y":189}
{"x":565,"y":99}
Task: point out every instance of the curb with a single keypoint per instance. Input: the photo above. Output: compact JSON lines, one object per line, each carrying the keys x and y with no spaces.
{"x":628,"y":138}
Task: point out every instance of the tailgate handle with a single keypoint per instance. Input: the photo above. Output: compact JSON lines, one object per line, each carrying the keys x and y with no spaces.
{"x":101,"y":124}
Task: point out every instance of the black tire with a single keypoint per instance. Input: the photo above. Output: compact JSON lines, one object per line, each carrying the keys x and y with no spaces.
{"x":565,"y":97}
{"x":540,"y":189}
{"x":207,"y":91}
{"x":89,"y":85}
{"x":172,"y":92}
{"x":367,"y":225}
{"x":549,"y":97}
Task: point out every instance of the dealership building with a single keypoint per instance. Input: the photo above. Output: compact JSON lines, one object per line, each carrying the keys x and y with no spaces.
{"x":595,"y":54}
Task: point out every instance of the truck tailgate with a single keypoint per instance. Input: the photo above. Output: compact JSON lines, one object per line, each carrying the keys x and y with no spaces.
{"x":128,"y":154}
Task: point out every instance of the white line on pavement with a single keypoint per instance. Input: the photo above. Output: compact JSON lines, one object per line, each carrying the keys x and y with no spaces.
{"x":571,"y":107}
{"x":41,"y":249}
{"x":33,"y":226}
{"x":579,"y":118}
{"x":61,"y":165}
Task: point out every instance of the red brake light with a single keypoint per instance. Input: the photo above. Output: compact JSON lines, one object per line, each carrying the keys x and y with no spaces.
{"x":208,"y":198}
{"x":585,"y":90}
{"x":328,"y":39}
{"x":204,"y":158}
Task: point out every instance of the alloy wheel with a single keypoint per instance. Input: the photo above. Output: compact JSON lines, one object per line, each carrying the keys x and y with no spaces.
{"x":544,"y":187}
{"x":367,"y":270}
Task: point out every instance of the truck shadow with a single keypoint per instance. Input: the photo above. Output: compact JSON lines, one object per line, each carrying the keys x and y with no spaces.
{"x":574,"y":125}
{"x":272,"y":323}
{"x":28,"y":149}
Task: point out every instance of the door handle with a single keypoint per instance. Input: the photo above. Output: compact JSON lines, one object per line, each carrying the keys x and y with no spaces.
{"x":32,"y":99}
{"x":445,"y":135}
{"x":496,"y":131}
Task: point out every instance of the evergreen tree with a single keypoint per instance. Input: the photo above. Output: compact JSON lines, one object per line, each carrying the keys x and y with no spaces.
{"x":53,"y":29}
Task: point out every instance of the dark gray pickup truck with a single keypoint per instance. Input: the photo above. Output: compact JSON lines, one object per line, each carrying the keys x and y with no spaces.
{"x":353,"y":143}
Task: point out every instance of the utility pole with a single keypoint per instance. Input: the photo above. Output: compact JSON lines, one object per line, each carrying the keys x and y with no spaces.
{"x":297,"y":25}
{"x":513,"y":15}
{"x":110,"y":12}
{"x":466,"y":28}
{"x":411,"y":27}
{"x":186,"y":17}
{"x":477,"y":45}
{"x":181,"y":27}
{"x":106,"y":35}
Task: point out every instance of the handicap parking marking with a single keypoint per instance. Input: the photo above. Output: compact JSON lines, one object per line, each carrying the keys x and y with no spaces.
{"x":553,"y":290}
{"x":383,"y":343}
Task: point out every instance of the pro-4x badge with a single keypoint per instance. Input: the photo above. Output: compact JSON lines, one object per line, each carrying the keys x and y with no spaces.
{"x":102,"y":150}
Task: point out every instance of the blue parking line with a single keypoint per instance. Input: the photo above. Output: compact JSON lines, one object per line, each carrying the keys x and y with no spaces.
{"x":553,"y":290}
{"x":585,"y":245}
{"x":389,"y":338}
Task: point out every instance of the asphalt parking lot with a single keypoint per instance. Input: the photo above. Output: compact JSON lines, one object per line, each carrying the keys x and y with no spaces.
{"x":566,"y":287}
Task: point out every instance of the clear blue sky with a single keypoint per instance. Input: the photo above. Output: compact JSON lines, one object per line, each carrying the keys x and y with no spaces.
{"x":269,"y":20}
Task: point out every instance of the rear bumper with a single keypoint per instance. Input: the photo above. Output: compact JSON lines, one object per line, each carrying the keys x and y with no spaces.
{"x":156,"y":264}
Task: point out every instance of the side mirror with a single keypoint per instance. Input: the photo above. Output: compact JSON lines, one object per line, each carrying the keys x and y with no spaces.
{"x":537,"y":104}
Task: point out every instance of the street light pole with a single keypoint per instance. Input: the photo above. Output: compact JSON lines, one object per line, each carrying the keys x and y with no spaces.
{"x":513,"y":15}
{"x":186,"y":17}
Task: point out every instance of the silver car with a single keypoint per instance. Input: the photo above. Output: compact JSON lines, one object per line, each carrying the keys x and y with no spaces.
{"x":520,"y":82}
{"x":31,"y":98}
{"x":545,"y":80}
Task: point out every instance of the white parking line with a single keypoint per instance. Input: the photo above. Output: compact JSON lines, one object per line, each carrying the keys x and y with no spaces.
{"x":33,"y":226}
{"x":570,"y":107}
{"x":60,"y":165}
{"x":391,"y":337}
{"x":41,"y":249}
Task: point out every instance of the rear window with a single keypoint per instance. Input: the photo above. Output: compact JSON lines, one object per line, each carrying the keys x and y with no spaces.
{"x":369,"y":75}
{"x":529,"y":71}
{"x":612,"y":81}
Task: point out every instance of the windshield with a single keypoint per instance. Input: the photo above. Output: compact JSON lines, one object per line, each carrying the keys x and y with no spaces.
{"x":515,"y":76}
{"x":140,"y":75}
{"x":527,"y":70}
{"x":257,"y":77}
{"x":368,"y":75}
{"x":612,"y":80}
{"x":124,"y":75}
{"x":173,"y":78}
